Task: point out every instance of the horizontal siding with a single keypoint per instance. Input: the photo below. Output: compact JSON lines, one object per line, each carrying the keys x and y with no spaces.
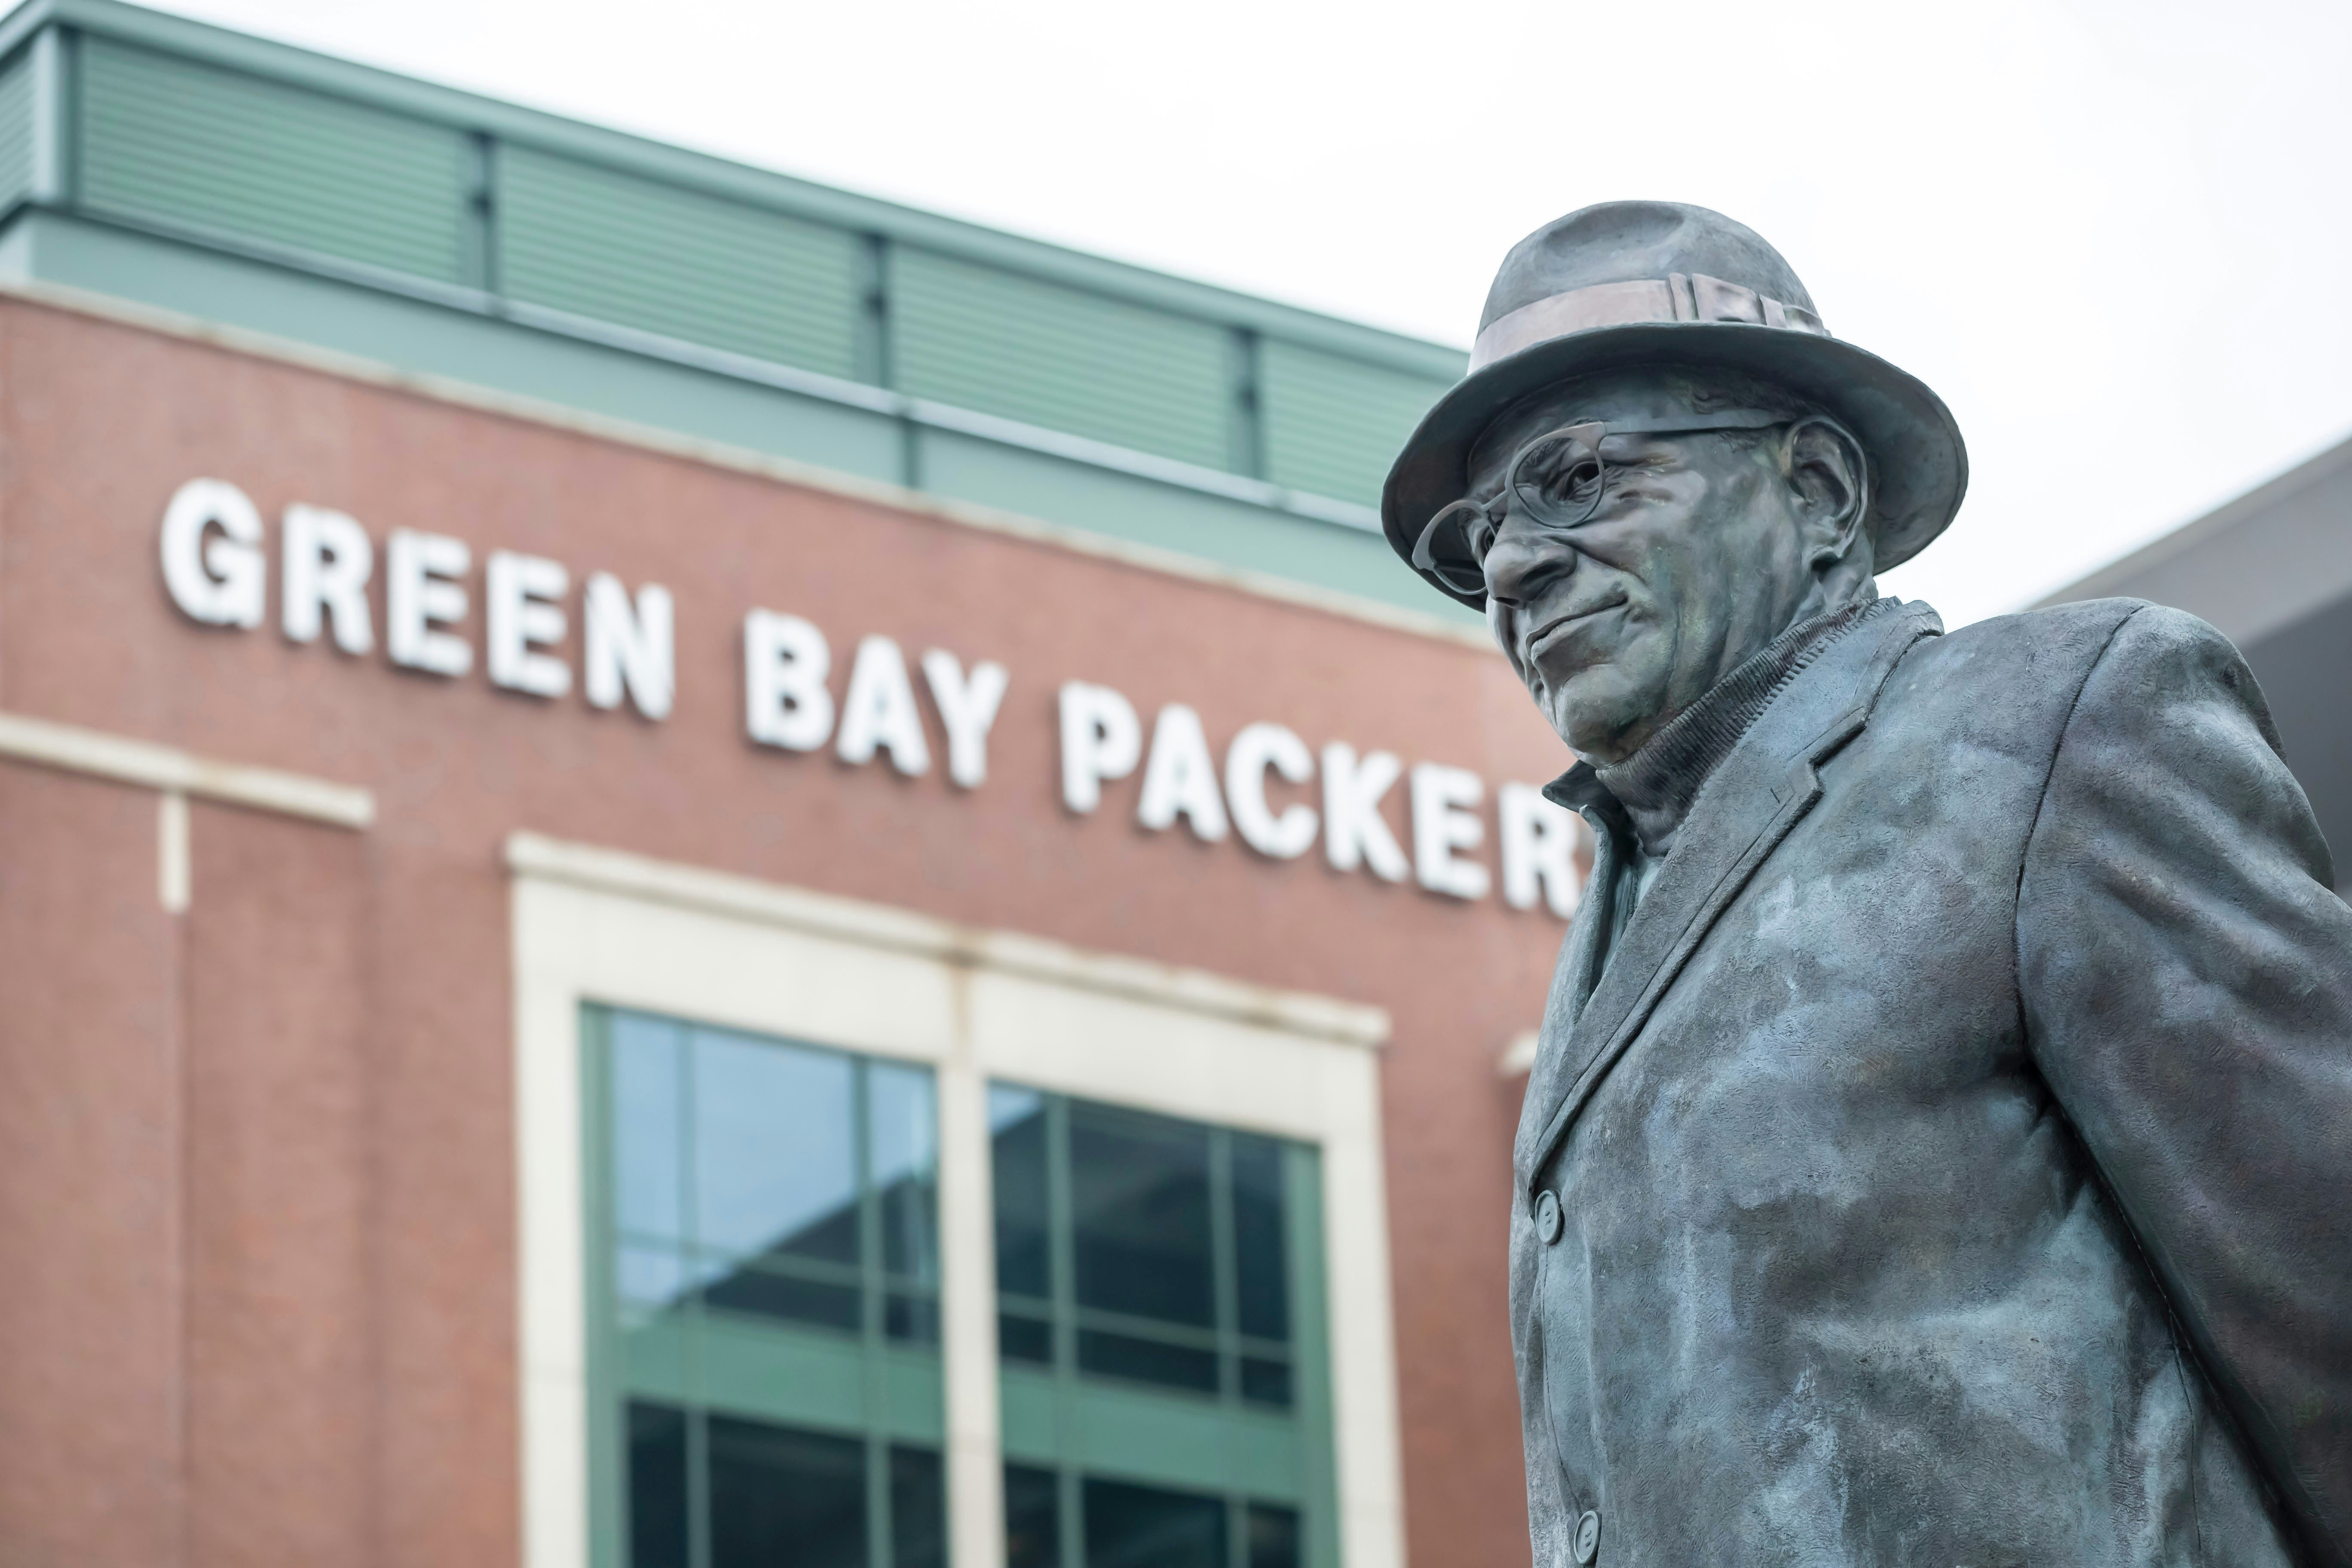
{"x":16,"y":129}
{"x":170,"y":139}
{"x":698,"y":267}
{"x":1334,"y":424}
{"x":251,"y":154}
{"x":1064,"y":358}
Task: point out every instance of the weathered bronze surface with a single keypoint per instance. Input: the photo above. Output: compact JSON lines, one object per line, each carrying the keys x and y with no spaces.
{"x":1939,"y":1150}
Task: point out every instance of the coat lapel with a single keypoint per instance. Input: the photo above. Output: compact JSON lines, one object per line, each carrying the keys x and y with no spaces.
{"x":1758,"y":792}
{"x":1581,"y":957}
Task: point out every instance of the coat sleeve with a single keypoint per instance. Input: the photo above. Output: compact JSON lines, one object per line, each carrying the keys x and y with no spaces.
{"x":2185,"y":973}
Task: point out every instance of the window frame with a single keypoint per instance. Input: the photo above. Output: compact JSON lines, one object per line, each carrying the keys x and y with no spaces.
{"x":891,"y":1375}
{"x":590,"y":924}
{"x":1046,"y":1404}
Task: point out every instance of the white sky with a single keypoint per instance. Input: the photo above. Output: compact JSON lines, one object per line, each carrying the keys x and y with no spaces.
{"x":2115,"y":235}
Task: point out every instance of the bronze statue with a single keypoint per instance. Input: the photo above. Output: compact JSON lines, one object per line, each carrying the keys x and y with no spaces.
{"x":1940,"y":1151}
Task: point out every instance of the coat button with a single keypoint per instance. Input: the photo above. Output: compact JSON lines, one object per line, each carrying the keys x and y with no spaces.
{"x":1588,"y":1538}
{"x":1548,"y":1226}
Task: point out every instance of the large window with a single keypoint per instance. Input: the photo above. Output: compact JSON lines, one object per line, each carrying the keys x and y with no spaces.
{"x":1160,"y":1331}
{"x":765,"y":1319}
{"x":758,"y":1298}
{"x":766,"y":1277}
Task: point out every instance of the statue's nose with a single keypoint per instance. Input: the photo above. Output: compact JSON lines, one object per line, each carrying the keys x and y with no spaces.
{"x":1524,"y":560}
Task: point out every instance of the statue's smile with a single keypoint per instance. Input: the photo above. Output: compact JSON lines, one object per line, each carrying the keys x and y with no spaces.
{"x":1549,"y":632}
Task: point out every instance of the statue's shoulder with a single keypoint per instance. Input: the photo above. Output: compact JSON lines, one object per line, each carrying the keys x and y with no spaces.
{"x":2087,"y":632}
{"x":2082,"y":658}
{"x":2018,"y":672}
{"x":2035,"y":646}
{"x":2084,"y":623}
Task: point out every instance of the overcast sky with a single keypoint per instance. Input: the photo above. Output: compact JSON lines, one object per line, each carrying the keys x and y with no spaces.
{"x":2115,"y":235}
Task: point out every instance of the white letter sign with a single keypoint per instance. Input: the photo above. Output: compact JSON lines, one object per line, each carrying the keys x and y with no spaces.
{"x":878,"y":710}
{"x":785,"y":662}
{"x":424,"y":587}
{"x":967,"y":706}
{"x":217,"y":580}
{"x":1539,"y":846}
{"x":526,"y":614}
{"x":1444,"y":819}
{"x":215,"y":558}
{"x":1101,"y":739}
{"x":1180,"y":779}
{"x":629,"y":647}
{"x":1255,"y":750}
{"x":328,"y":562}
{"x":1354,"y":832}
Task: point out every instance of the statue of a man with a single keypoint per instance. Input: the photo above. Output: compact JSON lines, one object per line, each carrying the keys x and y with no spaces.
{"x":1940,"y":1151}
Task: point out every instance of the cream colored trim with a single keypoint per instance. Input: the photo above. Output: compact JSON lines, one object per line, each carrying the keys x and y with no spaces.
{"x":741,"y":459}
{"x":595,"y":925}
{"x":551,"y":1260}
{"x":881,"y":926}
{"x":1518,"y":1057}
{"x":173,"y":871}
{"x":167,"y":768}
{"x":975,"y":1451}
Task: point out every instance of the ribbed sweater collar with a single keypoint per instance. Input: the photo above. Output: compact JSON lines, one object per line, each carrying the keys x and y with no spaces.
{"x":1658,"y":784}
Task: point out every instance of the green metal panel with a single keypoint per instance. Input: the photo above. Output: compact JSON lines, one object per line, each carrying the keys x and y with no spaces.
{"x":666,"y":260}
{"x":807,"y":1379}
{"x":1106,"y":501}
{"x":1138,"y":1433}
{"x":1333,"y":425}
{"x":16,"y":129}
{"x":426,"y":100}
{"x":165,"y":138}
{"x":259,"y":186}
{"x":563,"y":370}
{"x":1064,"y":358}
{"x":745,"y":1367}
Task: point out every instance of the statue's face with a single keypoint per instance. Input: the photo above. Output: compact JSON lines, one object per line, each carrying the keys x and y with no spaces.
{"x":1703,"y":548}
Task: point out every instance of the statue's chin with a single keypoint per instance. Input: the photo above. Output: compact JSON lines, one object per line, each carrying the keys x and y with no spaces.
{"x":1595,"y":710}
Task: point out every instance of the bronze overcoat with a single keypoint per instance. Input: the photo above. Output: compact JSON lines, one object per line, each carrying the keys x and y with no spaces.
{"x":1952,"y":1161}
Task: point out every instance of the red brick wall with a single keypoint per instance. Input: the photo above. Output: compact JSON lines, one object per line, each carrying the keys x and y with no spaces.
{"x":92,"y":1378}
{"x":257,"y":1165}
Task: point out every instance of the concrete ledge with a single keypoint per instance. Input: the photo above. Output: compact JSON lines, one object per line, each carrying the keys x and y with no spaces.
{"x":174,"y":771}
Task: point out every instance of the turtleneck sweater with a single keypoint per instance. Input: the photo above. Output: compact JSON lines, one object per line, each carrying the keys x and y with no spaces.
{"x":1658,"y":785}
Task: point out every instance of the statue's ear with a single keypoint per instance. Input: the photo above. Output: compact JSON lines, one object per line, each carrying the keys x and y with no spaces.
{"x":1830,"y":479}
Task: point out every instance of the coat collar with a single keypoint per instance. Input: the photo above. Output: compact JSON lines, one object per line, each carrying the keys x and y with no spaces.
{"x":1658,"y":785}
{"x":1600,"y":999}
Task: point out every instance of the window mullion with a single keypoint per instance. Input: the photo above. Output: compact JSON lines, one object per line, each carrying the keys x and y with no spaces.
{"x":869,"y":1218}
{"x":697,"y":1488}
{"x":1070,"y":1524}
{"x":698,"y":1431}
{"x":1061,"y":1231}
{"x":878,"y":1544}
{"x":1223,"y":1272}
{"x":869,"y":1319}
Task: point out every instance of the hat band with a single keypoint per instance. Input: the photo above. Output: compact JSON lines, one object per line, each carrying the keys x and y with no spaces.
{"x":1677,"y":297}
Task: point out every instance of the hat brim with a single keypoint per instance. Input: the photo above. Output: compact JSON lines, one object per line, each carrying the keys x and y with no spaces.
{"x":1920,"y":466}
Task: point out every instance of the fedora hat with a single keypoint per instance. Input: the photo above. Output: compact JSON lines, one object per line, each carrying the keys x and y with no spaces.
{"x":1630,"y":283}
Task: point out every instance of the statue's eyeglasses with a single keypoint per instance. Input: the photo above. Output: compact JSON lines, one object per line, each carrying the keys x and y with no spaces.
{"x":1559,"y":479}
